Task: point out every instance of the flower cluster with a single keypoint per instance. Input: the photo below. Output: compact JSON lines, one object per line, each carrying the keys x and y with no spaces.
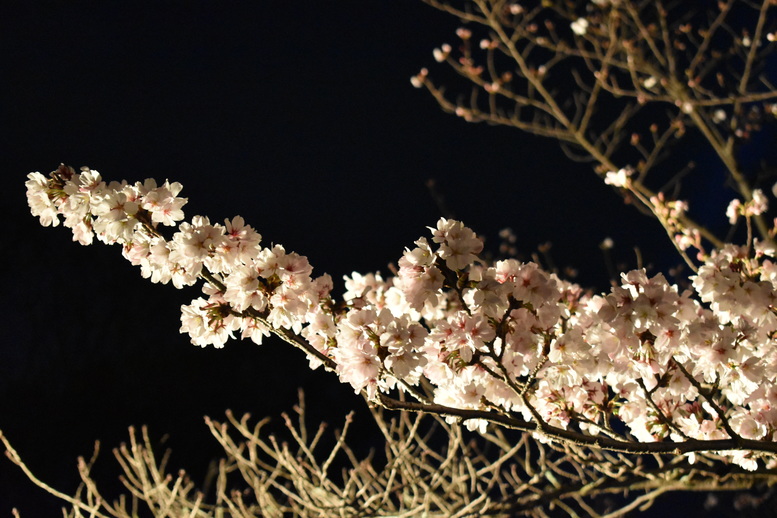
{"x":252,"y":289}
{"x":111,"y":211}
{"x":755,"y":207}
{"x":671,"y":214}
{"x":454,"y":330}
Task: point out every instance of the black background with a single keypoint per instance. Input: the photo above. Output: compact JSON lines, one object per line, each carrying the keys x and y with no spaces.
{"x":298,"y":116}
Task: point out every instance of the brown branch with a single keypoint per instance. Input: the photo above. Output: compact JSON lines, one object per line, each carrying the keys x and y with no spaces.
{"x":581,"y":439}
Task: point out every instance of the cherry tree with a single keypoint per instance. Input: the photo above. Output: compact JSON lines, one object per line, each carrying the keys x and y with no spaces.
{"x":571,"y":395}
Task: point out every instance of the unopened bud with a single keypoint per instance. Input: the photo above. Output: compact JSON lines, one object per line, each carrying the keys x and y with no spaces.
{"x":441,"y":54}
{"x":463,"y":33}
{"x":418,"y":80}
{"x":649,"y":83}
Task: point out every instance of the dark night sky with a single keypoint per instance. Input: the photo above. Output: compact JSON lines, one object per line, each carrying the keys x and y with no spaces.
{"x":300,"y":117}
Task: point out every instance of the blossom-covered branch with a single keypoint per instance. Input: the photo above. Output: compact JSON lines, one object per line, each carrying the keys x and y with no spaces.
{"x":642,"y":369}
